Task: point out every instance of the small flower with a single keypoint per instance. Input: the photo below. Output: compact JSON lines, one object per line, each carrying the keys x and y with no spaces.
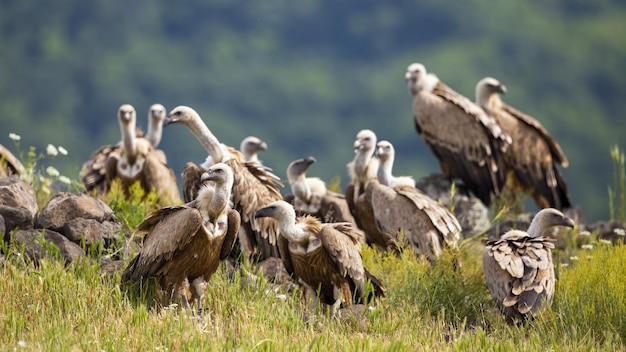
{"x":619,"y":232}
{"x":281,"y":296}
{"x":565,"y":265}
{"x":587,"y":246}
{"x":62,"y":150}
{"x":603,"y":241}
{"x":52,"y":150}
{"x":573,"y":258}
{"x":21,"y":343}
{"x":52,"y":171}
{"x":15,"y":137}
{"x":585,"y":233}
{"x":65,"y":179}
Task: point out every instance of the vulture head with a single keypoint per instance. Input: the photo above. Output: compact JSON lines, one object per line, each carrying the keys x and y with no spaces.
{"x":191,"y":119}
{"x":156,"y":115}
{"x":545,"y":219}
{"x":365,"y":142}
{"x":385,"y":151}
{"x":250,"y":147}
{"x":417,"y":78}
{"x":488,"y":92}
{"x":285,"y":214}
{"x":220,"y":174}
{"x":297,"y":168}
{"x":127,"y":116}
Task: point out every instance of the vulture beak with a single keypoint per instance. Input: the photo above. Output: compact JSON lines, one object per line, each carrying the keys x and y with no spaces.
{"x":357,"y":145}
{"x":501,"y":88}
{"x":408,"y":76}
{"x":208,"y":176}
{"x":264,"y":212}
{"x":170,"y":119}
{"x":568,"y":222}
{"x":263,"y":146}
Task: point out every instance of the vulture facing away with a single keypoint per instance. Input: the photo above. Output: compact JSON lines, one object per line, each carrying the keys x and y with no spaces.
{"x":183,"y":245}
{"x":9,"y":164}
{"x":533,"y":155}
{"x":467,"y":142}
{"x":310,"y":195}
{"x":255,"y":186}
{"x":518,"y":267}
{"x":324,"y":257}
{"x":132,"y":160}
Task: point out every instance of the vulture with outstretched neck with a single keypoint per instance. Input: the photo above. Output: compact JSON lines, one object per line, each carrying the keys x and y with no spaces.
{"x":533,"y":156}
{"x":156,"y":115}
{"x":9,"y":164}
{"x":132,"y":160}
{"x":467,"y":142}
{"x":254,"y":187}
{"x":183,"y":245}
{"x":310,"y":195}
{"x":386,"y":155}
{"x":518,"y":267}
{"x":324,"y":257}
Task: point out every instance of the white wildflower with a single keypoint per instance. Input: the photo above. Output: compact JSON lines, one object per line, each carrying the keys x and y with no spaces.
{"x":587,"y":246}
{"x":52,"y":150}
{"x":52,"y":171}
{"x":15,"y":137}
{"x":62,"y":150}
{"x":619,"y":232}
{"x":565,"y":265}
{"x":281,"y":296}
{"x":21,"y":343}
{"x":603,"y":241}
{"x":585,"y":233}
{"x":65,"y":179}
{"x":574,"y":257}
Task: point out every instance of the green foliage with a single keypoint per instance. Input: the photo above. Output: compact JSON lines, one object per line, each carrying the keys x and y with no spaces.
{"x":617,"y":194}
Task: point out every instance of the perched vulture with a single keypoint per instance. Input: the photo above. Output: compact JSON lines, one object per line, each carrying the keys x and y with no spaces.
{"x":533,"y":156}
{"x":183,"y":245}
{"x":9,"y":164}
{"x":518,"y":267}
{"x":250,"y":148}
{"x":254,"y":187}
{"x":310,"y":195}
{"x":386,"y":155}
{"x":468,"y":143}
{"x":384,"y":211}
{"x":324,"y":257}
{"x":132,"y":160}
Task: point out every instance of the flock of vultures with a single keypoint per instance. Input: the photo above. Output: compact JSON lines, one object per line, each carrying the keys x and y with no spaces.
{"x":233,"y":205}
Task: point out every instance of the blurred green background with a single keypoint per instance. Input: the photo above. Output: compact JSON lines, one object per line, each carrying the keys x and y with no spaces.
{"x":305,"y":76}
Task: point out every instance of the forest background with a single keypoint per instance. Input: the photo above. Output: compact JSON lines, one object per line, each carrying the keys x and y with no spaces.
{"x":306,"y":76}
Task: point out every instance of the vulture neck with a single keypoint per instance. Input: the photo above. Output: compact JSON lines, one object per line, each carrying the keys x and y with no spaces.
{"x":299,"y":186}
{"x":220,"y":199}
{"x":536,"y":227}
{"x":291,"y":230}
{"x":155,"y":132}
{"x":206,"y":138}
{"x":129,"y":142}
{"x":493,"y":102}
{"x":361,"y":164}
{"x":428,"y":82}
{"x":384,"y":171}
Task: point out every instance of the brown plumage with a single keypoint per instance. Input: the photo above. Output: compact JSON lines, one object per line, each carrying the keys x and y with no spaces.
{"x":9,"y":164}
{"x":466,"y":141}
{"x":310,"y":195}
{"x":132,"y":160}
{"x":325,"y":258}
{"x":254,"y":186}
{"x":183,"y":245}
{"x":533,"y":156}
{"x":518,"y":267}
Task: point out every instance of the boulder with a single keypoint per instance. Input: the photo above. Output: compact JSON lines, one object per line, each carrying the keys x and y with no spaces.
{"x":40,"y":244}
{"x":18,"y":203}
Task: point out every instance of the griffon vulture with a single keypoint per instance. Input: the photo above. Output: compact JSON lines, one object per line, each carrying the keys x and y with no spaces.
{"x":324,"y":257}
{"x":310,"y":195}
{"x":132,"y":160}
{"x":183,"y":245}
{"x":533,"y":155}
{"x":468,"y":143}
{"x":386,"y":155}
{"x":156,"y":115}
{"x":518,"y":267}
{"x":9,"y":164}
{"x":250,"y":148}
{"x":255,"y":185}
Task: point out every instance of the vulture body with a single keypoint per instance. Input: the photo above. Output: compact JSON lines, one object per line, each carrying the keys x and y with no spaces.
{"x":9,"y":164}
{"x":324,"y":257}
{"x":183,"y":245}
{"x":467,"y":142}
{"x":310,"y":195}
{"x":254,"y":186}
{"x":533,"y":156}
{"x":518,"y":267}
{"x":132,"y":160}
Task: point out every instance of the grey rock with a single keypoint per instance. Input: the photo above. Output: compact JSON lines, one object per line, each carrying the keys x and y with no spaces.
{"x":64,"y":207}
{"x":15,"y":193}
{"x":14,"y":217}
{"x":40,"y":244}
